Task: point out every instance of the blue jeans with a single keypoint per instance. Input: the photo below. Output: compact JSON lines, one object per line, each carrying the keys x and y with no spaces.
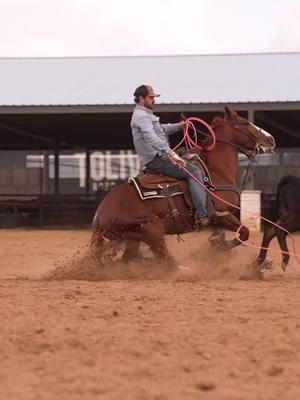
{"x":163,"y":165}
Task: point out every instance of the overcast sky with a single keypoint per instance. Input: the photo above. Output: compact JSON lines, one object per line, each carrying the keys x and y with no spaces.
{"x":30,"y":28}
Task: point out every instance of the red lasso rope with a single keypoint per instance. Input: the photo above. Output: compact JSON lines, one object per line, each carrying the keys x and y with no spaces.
{"x":293,"y":253}
{"x":189,"y":142}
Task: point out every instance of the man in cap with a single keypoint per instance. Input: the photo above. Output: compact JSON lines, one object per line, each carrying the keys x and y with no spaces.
{"x":150,"y":139}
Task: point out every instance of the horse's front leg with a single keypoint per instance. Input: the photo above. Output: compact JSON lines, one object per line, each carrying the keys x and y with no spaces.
{"x":231,"y":223}
{"x":217,"y":238}
{"x":132,"y":251}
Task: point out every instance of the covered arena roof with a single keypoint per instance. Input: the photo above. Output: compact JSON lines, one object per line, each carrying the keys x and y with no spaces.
{"x":194,"y":79}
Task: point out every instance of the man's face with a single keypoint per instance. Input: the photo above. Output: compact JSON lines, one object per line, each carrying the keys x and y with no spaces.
{"x":149,"y":102}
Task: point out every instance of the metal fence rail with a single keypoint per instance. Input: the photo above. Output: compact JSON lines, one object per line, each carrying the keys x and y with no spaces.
{"x":25,"y":199}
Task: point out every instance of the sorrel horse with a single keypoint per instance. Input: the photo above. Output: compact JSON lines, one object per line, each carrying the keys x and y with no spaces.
{"x":123,"y":216}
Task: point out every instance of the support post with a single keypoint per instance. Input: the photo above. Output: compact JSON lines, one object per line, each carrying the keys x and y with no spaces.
{"x":87,"y":172}
{"x":45,"y":175}
{"x":56,"y":171}
{"x":251,"y":116}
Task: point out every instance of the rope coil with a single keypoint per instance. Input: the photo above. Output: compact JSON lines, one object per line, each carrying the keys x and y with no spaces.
{"x":191,"y":144}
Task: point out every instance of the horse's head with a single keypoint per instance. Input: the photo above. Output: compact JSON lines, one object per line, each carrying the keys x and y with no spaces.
{"x":244,"y":134}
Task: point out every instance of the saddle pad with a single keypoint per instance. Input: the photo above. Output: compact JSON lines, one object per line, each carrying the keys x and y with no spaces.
{"x":155,"y":191}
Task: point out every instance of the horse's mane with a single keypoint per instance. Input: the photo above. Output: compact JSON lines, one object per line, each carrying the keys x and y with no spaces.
{"x":288,"y":191}
{"x":216,"y":121}
{"x":288,"y":179}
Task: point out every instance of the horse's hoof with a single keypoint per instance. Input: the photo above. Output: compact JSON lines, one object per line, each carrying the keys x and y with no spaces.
{"x":259,"y":275}
{"x":169,"y":267}
{"x":218,"y":241}
{"x":252,"y":273}
{"x":184,"y":268}
{"x":283,"y":266}
{"x":268,"y":265}
{"x":255,"y":277}
{"x":217,"y":236}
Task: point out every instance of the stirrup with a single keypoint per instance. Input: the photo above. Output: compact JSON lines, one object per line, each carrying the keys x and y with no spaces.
{"x":200,"y":222}
{"x":222,"y":213}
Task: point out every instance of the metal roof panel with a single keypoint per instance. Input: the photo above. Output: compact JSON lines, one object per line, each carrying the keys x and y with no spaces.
{"x":228,"y":78}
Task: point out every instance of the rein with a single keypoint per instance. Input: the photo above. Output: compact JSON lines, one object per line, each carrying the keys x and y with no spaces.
{"x":250,"y":136}
{"x":251,"y":155}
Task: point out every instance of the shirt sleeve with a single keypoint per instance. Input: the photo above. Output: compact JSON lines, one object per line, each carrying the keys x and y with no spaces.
{"x":151,"y":138}
{"x":169,"y":129}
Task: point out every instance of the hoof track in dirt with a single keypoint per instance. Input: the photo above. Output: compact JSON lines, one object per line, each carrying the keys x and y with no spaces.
{"x":72,"y":329}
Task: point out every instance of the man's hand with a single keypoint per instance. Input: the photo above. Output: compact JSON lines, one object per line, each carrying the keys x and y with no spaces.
{"x":182,"y":125}
{"x":175,"y":159}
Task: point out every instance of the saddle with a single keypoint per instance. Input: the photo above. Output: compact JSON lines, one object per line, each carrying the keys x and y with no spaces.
{"x":151,"y":186}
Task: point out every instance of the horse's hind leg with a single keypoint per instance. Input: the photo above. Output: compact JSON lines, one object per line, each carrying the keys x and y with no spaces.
{"x":153,"y":236}
{"x":96,"y":245}
{"x":269,"y":234}
{"x":281,"y":237}
{"x":290,"y":226}
{"x":131,"y":252}
{"x":101,"y":249}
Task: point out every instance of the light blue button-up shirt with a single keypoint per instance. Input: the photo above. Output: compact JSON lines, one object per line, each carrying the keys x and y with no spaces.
{"x":150,"y":137}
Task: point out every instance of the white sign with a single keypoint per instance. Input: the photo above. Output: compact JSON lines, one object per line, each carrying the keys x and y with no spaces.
{"x":105,"y":166}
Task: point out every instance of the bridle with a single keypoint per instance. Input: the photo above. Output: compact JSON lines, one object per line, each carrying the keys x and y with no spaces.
{"x":251,"y":154}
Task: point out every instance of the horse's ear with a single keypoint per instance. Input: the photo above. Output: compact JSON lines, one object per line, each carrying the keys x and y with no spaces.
{"x":230,"y":114}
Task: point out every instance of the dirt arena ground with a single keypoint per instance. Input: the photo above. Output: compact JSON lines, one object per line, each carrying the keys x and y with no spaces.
{"x":71,"y":331}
